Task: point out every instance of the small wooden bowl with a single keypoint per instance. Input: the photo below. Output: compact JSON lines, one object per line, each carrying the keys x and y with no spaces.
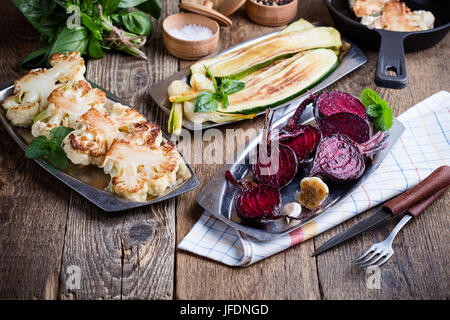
{"x":185,"y":49}
{"x":272,"y":16}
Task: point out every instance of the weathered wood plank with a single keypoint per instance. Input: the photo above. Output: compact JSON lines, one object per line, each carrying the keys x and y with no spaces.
{"x":128,"y":255}
{"x":33,"y":204}
{"x":288,"y":275}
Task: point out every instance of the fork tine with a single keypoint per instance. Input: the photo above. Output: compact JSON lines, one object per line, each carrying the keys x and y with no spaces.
{"x":364,"y":254}
{"x":382,"y":254}
{"x":385,"y":259}
{"x":369,"y":257}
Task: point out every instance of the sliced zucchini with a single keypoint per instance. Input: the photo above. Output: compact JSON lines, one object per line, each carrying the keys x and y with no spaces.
{"x":241,"y":62}
{"x":300,"y":24}
{"x":301,"y":74}
{"x":175,"y":119}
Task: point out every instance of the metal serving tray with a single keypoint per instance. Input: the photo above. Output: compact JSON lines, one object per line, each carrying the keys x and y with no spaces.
{"x":349,"y":61}
{"x":88,"y":180}
{"x":217,"y":196}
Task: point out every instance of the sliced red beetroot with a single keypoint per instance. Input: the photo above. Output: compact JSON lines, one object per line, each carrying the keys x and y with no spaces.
{"x":346,"y":123}
{"x":256,"y":202}
{"x":340,"y":159}
{"x":303,"y":139}
{"x":276,"y":172}
{"x":329,"y":103}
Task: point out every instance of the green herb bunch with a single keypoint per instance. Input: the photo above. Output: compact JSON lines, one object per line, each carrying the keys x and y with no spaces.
{"x":378,"y":109}
{"x":209,"y":102}
{"x":41,"y":147}
{"x":89,"y":26}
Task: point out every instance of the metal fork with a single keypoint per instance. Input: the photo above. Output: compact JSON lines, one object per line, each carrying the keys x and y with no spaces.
{"x":381,"y":249}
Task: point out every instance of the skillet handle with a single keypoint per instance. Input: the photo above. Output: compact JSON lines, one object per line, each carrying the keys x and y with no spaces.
{"x":391,"y":57}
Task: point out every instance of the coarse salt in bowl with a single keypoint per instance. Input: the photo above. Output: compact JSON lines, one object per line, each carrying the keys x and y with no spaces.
{"x":190,"y":36}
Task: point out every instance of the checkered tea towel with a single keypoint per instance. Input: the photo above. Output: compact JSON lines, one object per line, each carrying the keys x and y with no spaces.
{"x":423,"y":147}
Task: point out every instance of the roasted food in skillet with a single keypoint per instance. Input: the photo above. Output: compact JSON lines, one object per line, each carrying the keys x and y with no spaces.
{"x":391,"y":15}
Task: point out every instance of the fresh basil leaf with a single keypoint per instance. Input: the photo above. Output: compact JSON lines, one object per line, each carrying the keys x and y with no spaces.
{"x":229,"y":86}
{"x":39,"y":147}
{"x":59,"y":133}
{"x":137,"y":22}
{"x":35,"y":59}
{"x":110,"y":6}
{"x":212,"y":78}
{"x":76,"y":39}
{"x":58,"y":157}
{"x":96,"y":27}
{"x":130,"y":3}
{"x":369,"y":97}
{"x":152,"y":7}
{"x":95,"y":50}
{"x":42,"y":16}
{"x":205,"y":102}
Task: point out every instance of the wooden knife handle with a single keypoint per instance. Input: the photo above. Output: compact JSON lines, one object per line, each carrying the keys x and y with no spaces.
{"x":437,"y":180}
{"x":417,"y":209}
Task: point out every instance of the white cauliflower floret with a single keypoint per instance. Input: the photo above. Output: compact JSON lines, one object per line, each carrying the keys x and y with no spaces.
{"x":125,"y":118}
{"x":140,"y":166}
{"x":91,"y":140}
{"x":67,"y":104}
{"x":31,"y":91}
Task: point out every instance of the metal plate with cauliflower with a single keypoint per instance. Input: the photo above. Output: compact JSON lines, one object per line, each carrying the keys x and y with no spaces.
{"x":88,"y":181}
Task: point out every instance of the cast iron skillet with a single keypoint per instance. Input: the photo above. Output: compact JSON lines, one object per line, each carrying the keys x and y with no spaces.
{"x":392,"y":44}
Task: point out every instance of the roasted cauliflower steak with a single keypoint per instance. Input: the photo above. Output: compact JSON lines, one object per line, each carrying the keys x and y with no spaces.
{"x":31,"y":91}
{"x":67,"y":104}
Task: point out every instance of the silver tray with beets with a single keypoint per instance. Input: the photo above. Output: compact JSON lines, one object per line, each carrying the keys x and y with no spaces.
{"x":89,"y":181}
{"x":217,"y":197}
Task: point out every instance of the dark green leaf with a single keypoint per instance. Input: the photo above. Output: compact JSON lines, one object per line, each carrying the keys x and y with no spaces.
{"x":385,"y":120}
{"x":76,"y":39}
{"x":95,"y":26}
{"x":42,"y":16}
{"x":110,"y":6}
{"x":58,"y":134}
{"x":152,"y":7}
{"x":205,"y":102}
{"x":137,"y":22}
{"x":374,"y":110}
{"x":35,"y":59}
{"x":39,"y":147}
{"x":95,"y":50}
{"x":229,"y":86}
{"x":58,"y":157}
{"x":130,"y":3}
{"x":369,"y":97}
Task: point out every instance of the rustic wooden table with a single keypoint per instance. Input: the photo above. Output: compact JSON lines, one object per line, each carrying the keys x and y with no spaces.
{"x":46,"y":229}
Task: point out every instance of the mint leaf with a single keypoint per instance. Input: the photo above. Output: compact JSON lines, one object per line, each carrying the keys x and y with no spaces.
{"x":39,"y":147}
{"x":385,"y":120}
{"x":206,"y":102}
{"x":58,"y":134}
{"x":58,"y":157}
{"x":374,"y":110}
{"x":370,"y":97}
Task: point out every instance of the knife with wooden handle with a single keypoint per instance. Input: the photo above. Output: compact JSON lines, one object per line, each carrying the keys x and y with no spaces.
{"x":413,"y":201}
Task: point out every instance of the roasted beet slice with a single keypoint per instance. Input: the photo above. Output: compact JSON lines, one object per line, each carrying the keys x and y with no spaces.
{"x":340,"y":159}
{"x":329,"y":103}
{"x":277,"y":172}
{"x":303,"y":139}
{"x":346,"y":123}
{"x":256,"y":202}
